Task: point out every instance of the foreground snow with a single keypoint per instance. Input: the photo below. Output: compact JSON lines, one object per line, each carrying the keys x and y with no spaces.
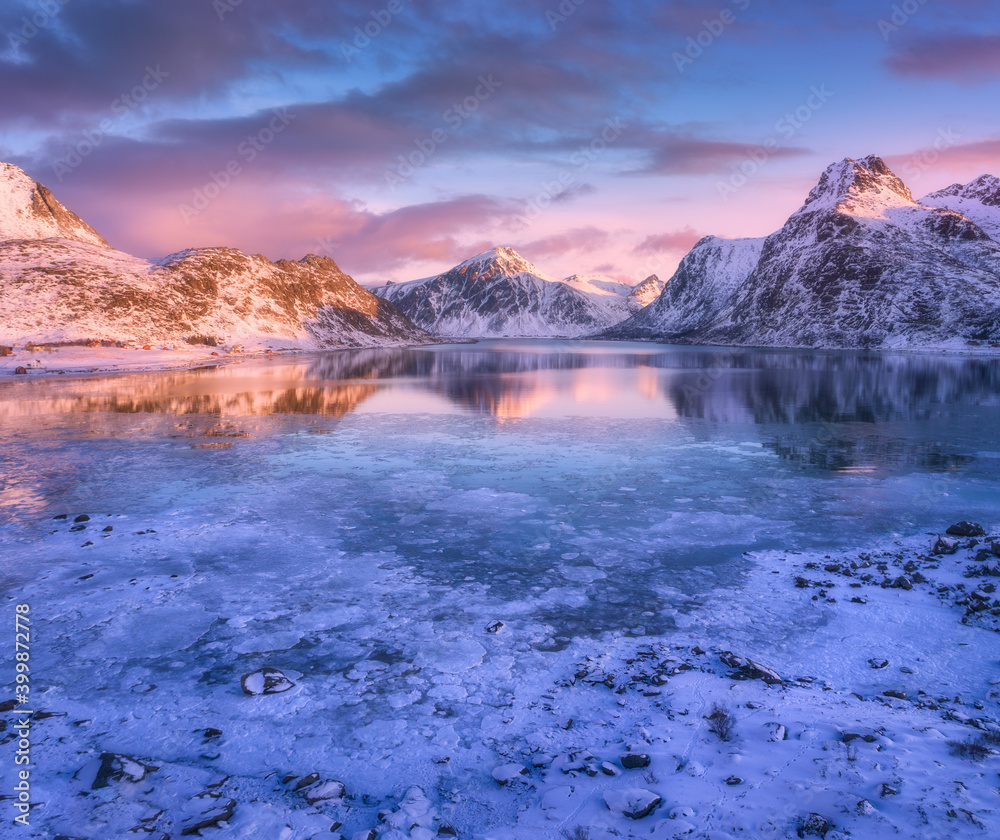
{"x":487,"y":725}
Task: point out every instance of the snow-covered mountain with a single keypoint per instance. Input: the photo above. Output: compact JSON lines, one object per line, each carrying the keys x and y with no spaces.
{"x":29,"y":211}
{"x":978,"y":200}
{"x":499,"y":293}
{"x":61,"y":281}
{"x":860,"y":264}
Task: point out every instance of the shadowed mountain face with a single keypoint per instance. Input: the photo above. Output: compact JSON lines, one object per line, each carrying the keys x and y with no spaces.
{"x":860,"y":264}
{"x":60,"y":281}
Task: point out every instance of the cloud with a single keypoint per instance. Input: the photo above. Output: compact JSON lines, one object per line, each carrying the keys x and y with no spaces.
{"x":673,"y":241}
{"x":964,"y":58}
{"x":673,"y":153}
{"x":966,"y":160}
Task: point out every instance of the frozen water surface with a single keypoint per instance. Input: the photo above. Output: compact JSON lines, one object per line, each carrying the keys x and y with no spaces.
{"x":358,"y":519}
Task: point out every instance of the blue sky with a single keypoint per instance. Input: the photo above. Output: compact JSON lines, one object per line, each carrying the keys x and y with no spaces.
{"x":402,"y":137}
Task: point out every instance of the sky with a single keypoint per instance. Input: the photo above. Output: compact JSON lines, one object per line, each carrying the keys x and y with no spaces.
{"x":401,"y":137}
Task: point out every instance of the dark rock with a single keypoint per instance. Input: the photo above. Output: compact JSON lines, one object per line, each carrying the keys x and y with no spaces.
{"x":734,"y":780}
{"x":749,"y":669}
{"x":943,"y":545}
{"x":878,"y":664}
{"x":887,"y":790}
{"x":494,"y":627}
{"x":305,"y":781}
{"x":119,"y":768}
{"x":265,"y":681}
{"x":82,"y":518}
{"x":896,"y":694}
{"x":814,"y":825}
{"x":211,"y":733}
{"x":108,"y":529}
{"x":210,"y":819}
{"x":966,"y":529}
{"x":446,"y":830}
{"x":76,"y":528}
{"x":635,"y":761}
{"x":60,"y":516}
{"x":903,"y":582}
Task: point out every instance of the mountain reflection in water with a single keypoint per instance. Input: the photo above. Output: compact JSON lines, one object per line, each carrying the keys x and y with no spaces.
{"x":724,"y":386}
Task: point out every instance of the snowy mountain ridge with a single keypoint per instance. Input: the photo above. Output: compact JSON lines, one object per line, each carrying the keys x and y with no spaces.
{"x":860,"y":264}
{"x":979,"y":200}
{"x":499,"y":294}
{"x":61,"y":281}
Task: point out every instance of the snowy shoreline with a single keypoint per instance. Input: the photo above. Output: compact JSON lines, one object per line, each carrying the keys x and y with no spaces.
{"x":525,"y":740}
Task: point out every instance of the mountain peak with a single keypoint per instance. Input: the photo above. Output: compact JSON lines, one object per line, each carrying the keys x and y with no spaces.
{"x":648,"y":290}
{"x":851,"y":184}
{"x":506,"y":260}
{"x":28,"y":210}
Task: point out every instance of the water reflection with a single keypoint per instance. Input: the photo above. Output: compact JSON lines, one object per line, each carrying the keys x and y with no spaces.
{"x":849,"y":414}
{"x":744,"y":386}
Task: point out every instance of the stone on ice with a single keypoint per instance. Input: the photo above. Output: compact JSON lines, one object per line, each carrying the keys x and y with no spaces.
{"x":634,"y":803}
{"x":265,"y":681}
{"x":507,"y":773}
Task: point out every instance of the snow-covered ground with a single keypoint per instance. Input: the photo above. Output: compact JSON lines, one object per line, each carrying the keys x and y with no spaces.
{"x":397,"y":695}
{"x":461,"y":587}
{"x":74,"y":359}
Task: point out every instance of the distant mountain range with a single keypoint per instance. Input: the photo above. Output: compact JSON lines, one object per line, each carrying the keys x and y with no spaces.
{"x":61,"y":281}
{"x":499,"y":293}
{"x":860,"y":264}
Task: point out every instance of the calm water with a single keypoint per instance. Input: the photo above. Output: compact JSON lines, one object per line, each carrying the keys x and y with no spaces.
{"x":530,"y":464}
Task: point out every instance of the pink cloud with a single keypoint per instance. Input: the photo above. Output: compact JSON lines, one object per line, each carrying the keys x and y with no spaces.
{"x":673,"y":241}
{"x":575,"y":240}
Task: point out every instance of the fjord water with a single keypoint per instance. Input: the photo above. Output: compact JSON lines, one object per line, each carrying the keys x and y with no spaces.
{"x":358,"y":518}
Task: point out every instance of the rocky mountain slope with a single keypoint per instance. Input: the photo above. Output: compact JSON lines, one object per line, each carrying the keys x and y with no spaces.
{"x":860,"y":264}
{"x":499,"y":293}
{"x":61,"y":281}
